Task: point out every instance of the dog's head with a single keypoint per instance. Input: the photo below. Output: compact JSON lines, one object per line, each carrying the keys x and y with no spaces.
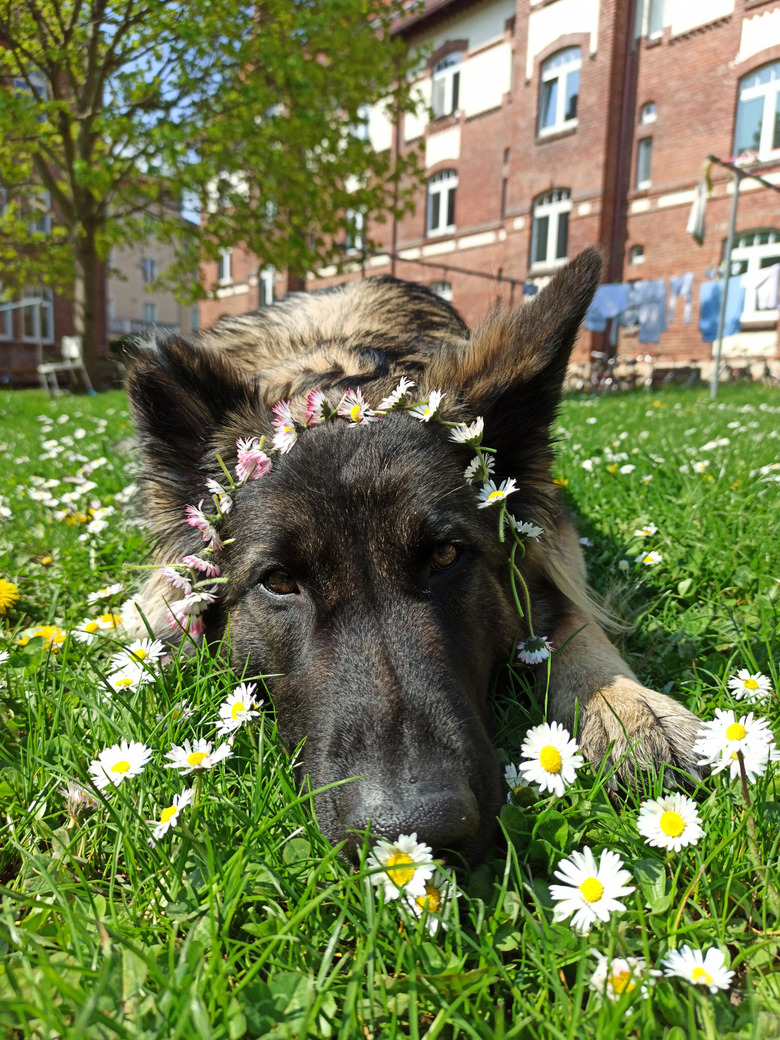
{"x":361,"y":574}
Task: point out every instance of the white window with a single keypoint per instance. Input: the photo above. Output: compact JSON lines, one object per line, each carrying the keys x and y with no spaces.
{"x":38,"y":317}
{"x":442,"y":289}
{"x":559,"y":90}
{"x":195,"y":319}
{"x":753,"y":251}
{"x":650,"y":18}
{"x":644,"y":154}
{"x":550,"y":231}
{"x":6,"y":319}
{"x":359,"y":128}
{"x":636,"y":255}
{"x":758,"y":112}
{"x":440,"y":217}
{"x":267,"y":281}
{"x":353,"y":238}
{"x":225,"y":266}
{"x":150,"y":313}
{"x":148,"y":269}
{"x":39,"y":209}
{"x":446,"y":86}
{"x":647,"y":112}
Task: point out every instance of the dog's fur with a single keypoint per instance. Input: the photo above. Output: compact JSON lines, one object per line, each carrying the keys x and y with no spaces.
{"x":384,"y":661}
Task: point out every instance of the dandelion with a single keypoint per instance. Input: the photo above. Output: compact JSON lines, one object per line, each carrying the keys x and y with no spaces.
{"x":433,"y":903}
{"x":110,"y":622}
{"x":552,"y":758}
{"x":398,"y":398}
{"x":107,"y":592}
{"x":534,"y":650}
{"x":649,"y":559}
{"x":749,"y":686}
{"x":353,"y":407}
{"x":698,"y":967}
{"x":591,"y":891}
{"x":239,"y":708}
{"x":646,"y":532}
{"x":285,"y":430}
{"x":197,"y":757}
{"x":9,"y":594}
{"x":120,"y":762}
{"x":427,"y":410}
{"x":468,"y":433}
{"x":52,"y":635}
{"x":401,"y":866}
{"x":490,"y":494}
{"x":670,"y":822}
{"x":169,"y":817}
{"x":253,"y":462}
{"x":614,"y":977}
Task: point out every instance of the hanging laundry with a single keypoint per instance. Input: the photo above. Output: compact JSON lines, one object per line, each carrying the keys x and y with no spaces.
{"x":709,"y":301}
{"x":651,"y":297}
{"x":608,"y":301}
{"x":768,"y":291}
{"x":681,"y":285}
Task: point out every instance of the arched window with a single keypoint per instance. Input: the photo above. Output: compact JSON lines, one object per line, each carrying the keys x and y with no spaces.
{"x":647,"y":112}
{"x":442,"y":289}
{"x":559,"y":90}
{"x":758,"y":112}
{"x":550,"y":231}
{"x":440,"y":218}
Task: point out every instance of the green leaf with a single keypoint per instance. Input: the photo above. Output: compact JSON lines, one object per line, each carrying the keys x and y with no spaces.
{"x":650,"y":875}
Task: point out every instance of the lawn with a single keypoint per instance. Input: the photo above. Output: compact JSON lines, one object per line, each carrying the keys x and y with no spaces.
{"x":241,"y":920}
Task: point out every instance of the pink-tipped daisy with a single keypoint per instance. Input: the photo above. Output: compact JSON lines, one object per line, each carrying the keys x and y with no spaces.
{"x":198,"y":519}
{"x":253,"y":462}
{"x":285,"y":430}
{"x":534,"y":650}
{"x":353,"y":407}
{"x":317,"y":408}
{"x":203,"y":566}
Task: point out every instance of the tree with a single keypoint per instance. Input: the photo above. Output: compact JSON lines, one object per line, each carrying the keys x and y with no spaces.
{"x":122,"y":110}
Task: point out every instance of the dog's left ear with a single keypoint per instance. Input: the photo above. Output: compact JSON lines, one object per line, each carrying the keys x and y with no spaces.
{"x":512,"y":369}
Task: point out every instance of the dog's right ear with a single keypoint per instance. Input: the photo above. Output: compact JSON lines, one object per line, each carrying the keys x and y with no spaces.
{"x":181,"y":394}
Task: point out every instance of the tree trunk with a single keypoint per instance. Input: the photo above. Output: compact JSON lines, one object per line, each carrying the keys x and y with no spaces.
{"x":89,"y":300}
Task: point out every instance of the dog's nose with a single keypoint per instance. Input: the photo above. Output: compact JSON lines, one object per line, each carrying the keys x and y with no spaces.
{"x":443,"y":819}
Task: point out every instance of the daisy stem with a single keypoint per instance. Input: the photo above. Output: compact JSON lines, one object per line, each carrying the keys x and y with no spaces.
{"x":224,"y":468}
{"x":198,"y":787}
{"x":515,"y":576}
{"x":773,"y":898}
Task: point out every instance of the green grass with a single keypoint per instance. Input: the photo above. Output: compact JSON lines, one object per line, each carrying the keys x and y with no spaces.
{"x":243,"y":921}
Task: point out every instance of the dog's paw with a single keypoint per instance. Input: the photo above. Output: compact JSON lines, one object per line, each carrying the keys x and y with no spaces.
{"x":642,"y":731}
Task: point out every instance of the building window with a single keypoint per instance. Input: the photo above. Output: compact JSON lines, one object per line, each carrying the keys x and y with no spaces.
{"x":446,"y":86}
{"x":650,"y":19}
{"x":39,"y":210}
{"x":550,"y":231}
{"x":353,"y":237}
{"x":559,"y":90}
{"x":360,"y":129}
{"x":195,"y":319}
{"x":148,"y":270}
{"x":644,"y":153}
{"x":758,"y":112}
{"x":636,"y":255}
{"x":6,"y":319}
{"x":441,"y":203}
{"x":38,"y":317}
{"x":267,"y":280}
{"x":225,"y":266}
{"x":442,"y":289}
{"x":752,"y":252}
{"x":647,"y":112}
{"x":150,"y":313}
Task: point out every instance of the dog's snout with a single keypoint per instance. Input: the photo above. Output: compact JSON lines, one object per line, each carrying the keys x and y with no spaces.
{"x":442,"y":817}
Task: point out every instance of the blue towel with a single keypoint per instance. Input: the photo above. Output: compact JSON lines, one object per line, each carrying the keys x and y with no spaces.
{"x":609,"y":301}
{"x":709,"y":300}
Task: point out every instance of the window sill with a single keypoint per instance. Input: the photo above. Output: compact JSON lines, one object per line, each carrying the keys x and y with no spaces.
{"x":546,"y":267}
{"x":554,"y":133}
{"x":440,"y":232}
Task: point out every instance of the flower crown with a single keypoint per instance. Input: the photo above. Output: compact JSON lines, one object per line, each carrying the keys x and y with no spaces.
{"x":197,"y":577}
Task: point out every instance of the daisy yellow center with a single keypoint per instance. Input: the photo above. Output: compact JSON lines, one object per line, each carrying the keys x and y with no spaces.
{"x":592,"y":889}
{"x":736,"y":731}
{"x":495,"y":495}
{"x":354,"y":412}
{"x":400,"y":867}
{"x":431,"y":900}
{"x":622,"y":982}
{"x":700,"y":975}
{"x":140,"y":653}
{"x":196,"y":758}
{"x":91,"y":626}
{"x":648,"y":558}
{"x":550,"y":759}
{"x":124,"y":681}
{"x":750,"y":684}
{"x":672,"y":824}
{"x":111,"y":619}
{"x":236,"y":710}
{"x":120,"y":767}
{"x":168,"y":813}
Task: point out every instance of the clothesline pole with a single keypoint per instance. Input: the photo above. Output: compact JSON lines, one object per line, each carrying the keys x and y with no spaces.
{"x":725,"y":291}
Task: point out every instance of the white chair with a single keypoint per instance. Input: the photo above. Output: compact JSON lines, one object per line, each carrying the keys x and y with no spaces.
{"x":70,"y":361}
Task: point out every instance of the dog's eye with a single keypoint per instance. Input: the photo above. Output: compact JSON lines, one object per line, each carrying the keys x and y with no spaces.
{"x":445,"y":555}
{"x":280,"y":582}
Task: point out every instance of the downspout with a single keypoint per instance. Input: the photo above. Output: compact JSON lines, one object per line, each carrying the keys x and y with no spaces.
{"x":615,"y":266}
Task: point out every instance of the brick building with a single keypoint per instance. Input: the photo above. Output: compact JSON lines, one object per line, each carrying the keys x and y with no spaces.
{"x":555,"y":124}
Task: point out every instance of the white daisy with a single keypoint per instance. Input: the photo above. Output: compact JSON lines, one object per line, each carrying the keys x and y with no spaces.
{"x":524,"y":529}
{"x":534,"y":650}
{"x":398,"y":398}
{"x":169,"y":817}
{"x":612,"y":978}
{"x":120,"y":762}
{"x":434,"y":902}
{"x":649,"y":559}
{"x":700,"y":467}
{"x":402,"y":866}
{"x":699,"y":968}
{"x":646,"y":532}
{"x":490,"y":495}
{"x":285,"y":430}
{"x":4,"y":655}
{"x":192,"y":758}
{"x":591,"y":891}
{"x":80,"y":800}
{"x":176,"y":713}
{"x":141,"y":652}
{"x":552,"y":758}
{"x":128,"y":676}
{"x":427,"y":410}
{"x":750,"y":686}
{"x":86,"y":630}
{"x":514,"y":780}
{"x":627,"y":468}
{"x":471,"y":434}
{"x":670,"y":822}
{"x":353,"y":407}
{"x":476,"y":468}
{"x":720,"y":740}
{"x":237,"y":709}
{"x":105,"y":593}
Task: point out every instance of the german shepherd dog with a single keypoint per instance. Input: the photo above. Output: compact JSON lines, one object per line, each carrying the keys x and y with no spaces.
{"x":360,"y":573}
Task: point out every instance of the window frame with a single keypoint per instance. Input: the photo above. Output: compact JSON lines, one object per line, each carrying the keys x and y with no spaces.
{"x":225,"y":266}
{"x":644,"y":158}
{"x":556,"y":70}
{"x":148,"y":269}
{"x":44,"y":298}
{"x":445,"y":81}
{"x":354,"y":240}
{"x":149,"y":312}
{"x":769,"y":92}
{"x":751,"y":256}
{"x":550,"y":206}
{"x":442,"y":186}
